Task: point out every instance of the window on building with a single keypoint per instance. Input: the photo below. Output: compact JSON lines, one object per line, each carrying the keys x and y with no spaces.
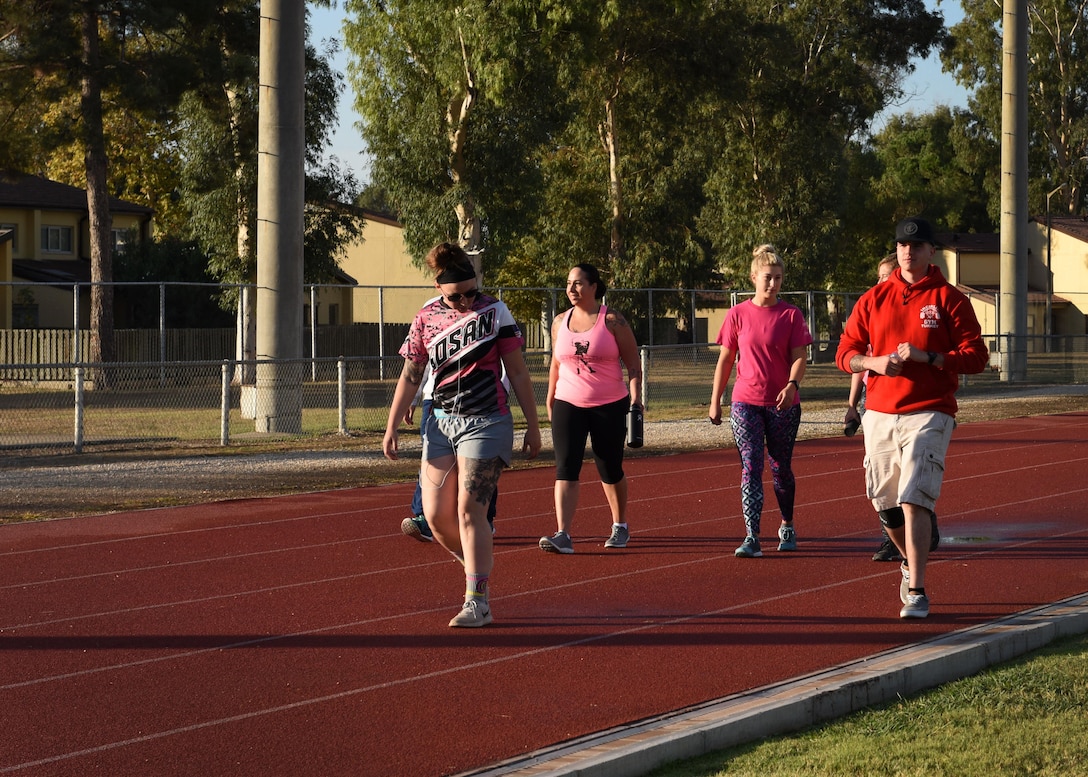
{"x":334,"y":315}
{"x":122,"y":238}
{"x":57,"y":240}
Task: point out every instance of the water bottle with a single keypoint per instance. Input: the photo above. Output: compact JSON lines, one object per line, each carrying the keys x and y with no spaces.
{"x":634,"y":427}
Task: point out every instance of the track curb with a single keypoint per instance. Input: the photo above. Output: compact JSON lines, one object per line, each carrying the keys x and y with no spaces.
{"x":804,"y":701}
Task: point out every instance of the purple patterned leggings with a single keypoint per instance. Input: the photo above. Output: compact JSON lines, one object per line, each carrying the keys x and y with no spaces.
{"x":752,"y":425}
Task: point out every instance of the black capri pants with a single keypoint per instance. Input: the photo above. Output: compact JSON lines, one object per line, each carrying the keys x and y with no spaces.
{"x":606,"y":427}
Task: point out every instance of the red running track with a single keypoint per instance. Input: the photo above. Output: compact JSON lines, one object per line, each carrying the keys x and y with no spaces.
{"x":305,"y":635}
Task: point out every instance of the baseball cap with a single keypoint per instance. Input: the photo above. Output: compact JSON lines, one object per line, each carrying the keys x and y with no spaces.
{"x":914,"y":230}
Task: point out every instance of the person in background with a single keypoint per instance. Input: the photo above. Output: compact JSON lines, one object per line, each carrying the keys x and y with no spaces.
{"x":415,"y":525}
{"x":589,"y":398}
{"x":855,"y":407}
{"x":915,"y":334}
{"x":468,"y":338}
{"x":768,"y":340}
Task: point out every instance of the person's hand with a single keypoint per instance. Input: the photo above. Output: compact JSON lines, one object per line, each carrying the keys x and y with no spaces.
{"x":716,"y":415}
{"x":851,"y":422}
{"x":785,"y":397}
{"x":909,"y":353}
{"x":890,"y":365}
{"x":409,"y":414}
{"x":531,"y":444}
{"x":389,"y":444}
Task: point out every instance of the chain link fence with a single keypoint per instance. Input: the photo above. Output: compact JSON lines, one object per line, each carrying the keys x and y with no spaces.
{"x":176,"y":385}
{"x":68,"y":407}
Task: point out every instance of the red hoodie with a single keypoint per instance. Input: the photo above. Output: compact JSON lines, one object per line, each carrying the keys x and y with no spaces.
{"x":931,"y":315}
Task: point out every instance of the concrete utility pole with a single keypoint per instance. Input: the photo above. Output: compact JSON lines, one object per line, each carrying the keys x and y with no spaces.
{"x":280,"y":199}
{"x":1013,"y":301}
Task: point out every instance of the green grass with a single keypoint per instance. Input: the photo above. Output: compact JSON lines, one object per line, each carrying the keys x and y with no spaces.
{"x":1026,"y":717}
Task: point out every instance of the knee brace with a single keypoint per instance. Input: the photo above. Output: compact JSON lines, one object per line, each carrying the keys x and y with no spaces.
{"x":892,"y":518}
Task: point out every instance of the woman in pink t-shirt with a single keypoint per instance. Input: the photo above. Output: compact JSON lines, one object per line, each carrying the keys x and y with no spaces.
{"x":588,"y":398}
{"x":767,"y":338}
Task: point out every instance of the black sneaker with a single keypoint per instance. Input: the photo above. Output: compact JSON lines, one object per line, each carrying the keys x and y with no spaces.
{"x":887,"y":552}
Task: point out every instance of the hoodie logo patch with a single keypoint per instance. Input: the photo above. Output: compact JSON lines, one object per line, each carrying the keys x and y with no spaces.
{"x":931,"y":317}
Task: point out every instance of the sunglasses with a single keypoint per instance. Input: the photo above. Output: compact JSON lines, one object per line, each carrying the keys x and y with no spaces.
{"x":470,"y":294}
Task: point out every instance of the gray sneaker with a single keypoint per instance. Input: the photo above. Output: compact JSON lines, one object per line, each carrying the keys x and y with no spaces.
{"x":557,"y":543}
{"x":749,"y":548}
{"x":619,"y":537}
{"x":417,"y":528}
{"x":474,"y":613}
{"x":916,"y":606}
{"x":787,"y":538}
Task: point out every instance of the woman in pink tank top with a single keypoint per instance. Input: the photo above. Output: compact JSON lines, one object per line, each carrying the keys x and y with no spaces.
{"x":589,"y":399}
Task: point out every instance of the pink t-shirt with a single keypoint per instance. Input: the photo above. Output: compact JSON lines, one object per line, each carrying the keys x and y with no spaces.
{"x":590,"y":369}
{"x":763,"y":339}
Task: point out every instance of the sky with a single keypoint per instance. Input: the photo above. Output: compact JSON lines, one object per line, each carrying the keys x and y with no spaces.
{"x":925,"y":88}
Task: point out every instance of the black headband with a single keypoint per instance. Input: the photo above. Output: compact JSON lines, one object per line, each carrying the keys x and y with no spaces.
{"x":456,"y":273}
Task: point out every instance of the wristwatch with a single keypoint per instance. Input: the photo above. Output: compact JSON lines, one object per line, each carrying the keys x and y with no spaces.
{"x":795,"y":383}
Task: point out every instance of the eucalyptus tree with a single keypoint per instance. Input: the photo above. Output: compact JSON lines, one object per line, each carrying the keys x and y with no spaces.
{"x":218,"y":163}
{"x":927,"y":167}
{"x":455,"y":98}
{"x":1057,"y":91}
{"x":624,"y":178}
{"x":815,"y":76}
{"x":218,"y":155}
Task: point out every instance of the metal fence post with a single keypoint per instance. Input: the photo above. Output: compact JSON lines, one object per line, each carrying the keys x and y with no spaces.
{"x":75,"y":324}
{"x":77,"y":438}
{"x":224,"y":404}
{"x":644,"y":361}
{"x":342,"y":394}
{"x":162,"y":334}
{"x":650,"y":314}
{"x":381,"y":332}
{"x":313,"y":333}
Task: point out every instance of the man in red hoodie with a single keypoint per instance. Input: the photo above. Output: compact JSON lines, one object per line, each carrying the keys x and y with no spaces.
{"x":924,"y":334}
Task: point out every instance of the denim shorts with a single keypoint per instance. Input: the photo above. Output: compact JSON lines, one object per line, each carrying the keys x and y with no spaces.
{"x":480,"y":437}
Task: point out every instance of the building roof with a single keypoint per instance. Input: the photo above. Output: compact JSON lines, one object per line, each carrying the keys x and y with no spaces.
{"x":990,"y":293}
{"x":62,"y":271}
{"x":1074,"y":226}
{"x":19,"y":190}
{"x":970,"y":242}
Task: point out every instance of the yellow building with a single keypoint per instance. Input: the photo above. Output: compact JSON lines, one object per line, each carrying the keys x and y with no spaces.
{"x":381,"y":283}
{"x":973,"y":263}
{"x":47,"y":226}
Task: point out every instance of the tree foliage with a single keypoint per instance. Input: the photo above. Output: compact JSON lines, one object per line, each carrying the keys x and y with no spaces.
{"x":660,"y":139}
{"x":928,"y":168}
{"x":1057,"y":92}
{"x":455,"y":98}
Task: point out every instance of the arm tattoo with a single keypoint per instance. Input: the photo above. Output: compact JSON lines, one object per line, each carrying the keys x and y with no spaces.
{"x":857,"y":363}
{"x":615,"y":320}
{"x":413,"y":373}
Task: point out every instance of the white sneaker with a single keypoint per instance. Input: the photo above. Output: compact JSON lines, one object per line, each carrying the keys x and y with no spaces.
{"x":474,"y":613}
{"x":917,"y":606}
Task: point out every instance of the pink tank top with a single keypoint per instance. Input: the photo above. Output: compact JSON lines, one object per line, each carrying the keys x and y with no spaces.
{"x":590,"y":368}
